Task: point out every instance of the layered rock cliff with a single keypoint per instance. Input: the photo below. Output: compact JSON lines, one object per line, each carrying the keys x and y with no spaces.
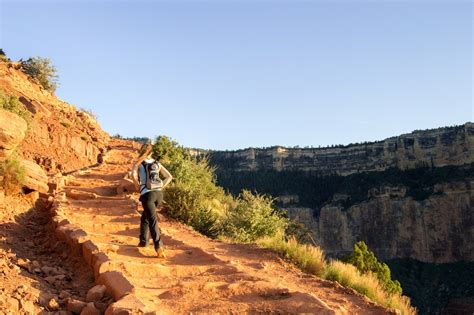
{"x":438,"y":229}
{"x":435,"y":147}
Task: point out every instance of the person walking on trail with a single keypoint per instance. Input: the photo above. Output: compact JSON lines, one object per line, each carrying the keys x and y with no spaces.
{"x":150,"y":186}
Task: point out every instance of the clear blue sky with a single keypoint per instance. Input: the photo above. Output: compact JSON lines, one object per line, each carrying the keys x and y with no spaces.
{"x":234,"y":74}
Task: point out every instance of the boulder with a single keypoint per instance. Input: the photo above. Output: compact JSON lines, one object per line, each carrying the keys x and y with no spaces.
{"x":35,"y":177}
{"x":96,"y":293}
{"x":12,"y":131}
{"x":90,"y":309}
{"x":75,"y":306}
{"x":127,"y":305}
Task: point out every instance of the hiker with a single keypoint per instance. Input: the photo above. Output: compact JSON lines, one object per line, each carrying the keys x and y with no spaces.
{"x":150,"y":186}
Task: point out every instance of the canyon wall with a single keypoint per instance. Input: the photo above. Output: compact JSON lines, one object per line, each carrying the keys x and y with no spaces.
{"x":435,"y":147}
{"x":438,"y":229}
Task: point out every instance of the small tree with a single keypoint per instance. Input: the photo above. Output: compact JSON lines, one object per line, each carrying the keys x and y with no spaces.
{"x":42,"y":70}
{"x":365,"y":261}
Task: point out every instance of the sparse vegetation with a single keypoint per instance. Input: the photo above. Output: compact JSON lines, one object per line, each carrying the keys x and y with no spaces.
{"x":306,"y":257}
{"x":12,"y":175}
{"x":12,"y":104}
{"x":367,"y":284}
{"x":42,"y":70}
{"x":88,"y":112}
{"x":3,"y":56}
{"x":366,"y":262}
{"x":65,"y":123}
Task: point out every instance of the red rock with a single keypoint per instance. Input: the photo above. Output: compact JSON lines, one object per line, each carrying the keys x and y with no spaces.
{"x":96,"y":293}
{"x":12,"y":131}
{"x":75,"y":306}
{"x":127,"y":305}
{"x":90,"y":309}
{"x":88,"y":249}
{"x":35,"y":177}
{"x":116,"y":284}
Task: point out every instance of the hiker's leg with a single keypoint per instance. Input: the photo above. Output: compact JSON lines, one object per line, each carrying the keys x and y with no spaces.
{"x":150,"y":211}
{"x":144,"y":230}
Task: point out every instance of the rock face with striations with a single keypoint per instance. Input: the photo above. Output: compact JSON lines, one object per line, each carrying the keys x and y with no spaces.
{"x":12,"y":132}
{"x":435,"y":147}
{"x":439,"y":229}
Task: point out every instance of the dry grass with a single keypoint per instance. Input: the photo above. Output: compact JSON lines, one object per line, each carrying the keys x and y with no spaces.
{"x":367,"y":284}
{"x":311,"y":260}
{"x":306,"y":257}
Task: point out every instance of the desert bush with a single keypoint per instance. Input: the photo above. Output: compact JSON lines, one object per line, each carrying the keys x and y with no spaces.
{"x":308,"y":258}
{"x":192,"y":197}
{"x":42,"y":70}
{"x":13,"y":176}
{"x":365,"y":261}
{"x":253,"y":217}
{"x":12,"y":104}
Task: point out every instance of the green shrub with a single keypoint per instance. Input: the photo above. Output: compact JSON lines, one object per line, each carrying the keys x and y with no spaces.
{"x":42,"y":70}
{"x":192,"y":197}
{"x":253,"y":217}
{"x":365,"y":261}
{"x":12,"y":104}
{"x":13,"y":176}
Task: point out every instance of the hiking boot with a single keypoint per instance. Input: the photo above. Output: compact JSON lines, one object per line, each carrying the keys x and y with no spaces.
{"x":160,"y":253}
{"x":141,"y":244}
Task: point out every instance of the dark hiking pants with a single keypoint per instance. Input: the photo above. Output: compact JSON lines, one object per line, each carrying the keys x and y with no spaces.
{"x":148,"y":222}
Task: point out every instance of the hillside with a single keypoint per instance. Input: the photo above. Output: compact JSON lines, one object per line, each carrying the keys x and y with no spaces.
{"x":60,"y":137}
{"x":69,"y":235}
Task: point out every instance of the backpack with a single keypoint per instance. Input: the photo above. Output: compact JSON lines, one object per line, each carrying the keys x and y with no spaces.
{"x":152,"y":171}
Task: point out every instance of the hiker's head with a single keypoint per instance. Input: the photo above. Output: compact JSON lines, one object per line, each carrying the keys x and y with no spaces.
{"x":146,"y":150}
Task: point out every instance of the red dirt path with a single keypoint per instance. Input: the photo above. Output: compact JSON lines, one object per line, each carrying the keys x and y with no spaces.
{"x":199,"y":275}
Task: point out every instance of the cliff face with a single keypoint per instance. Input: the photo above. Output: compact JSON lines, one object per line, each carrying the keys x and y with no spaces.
{"x":407,"y":197}
{"x":437,"y":147}
{"x":439,"y":229}
{"x":60,"y":138}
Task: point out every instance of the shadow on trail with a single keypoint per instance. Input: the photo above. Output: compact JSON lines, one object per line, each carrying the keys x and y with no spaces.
{"x":30,"y":238}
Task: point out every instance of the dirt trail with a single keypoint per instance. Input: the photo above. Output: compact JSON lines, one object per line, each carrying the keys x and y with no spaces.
{"x":199,"y":274}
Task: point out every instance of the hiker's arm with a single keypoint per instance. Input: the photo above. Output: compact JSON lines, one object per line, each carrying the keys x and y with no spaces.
{"x":167,"y":176}
{"x":135,"y":175}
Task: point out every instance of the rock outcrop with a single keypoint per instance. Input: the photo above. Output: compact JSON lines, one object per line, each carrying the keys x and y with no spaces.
{"x":12,"y":132}
{"x":35,"y":177}
{"x":60,"y":138}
